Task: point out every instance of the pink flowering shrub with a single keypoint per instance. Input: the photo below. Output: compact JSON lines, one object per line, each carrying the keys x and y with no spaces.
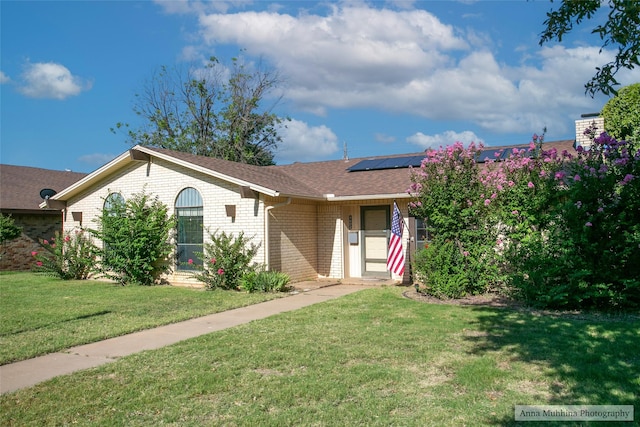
{"x":449,"y":193}
{"x":229,"y":259}
{"x":588,"y":252}
{"x":68,"y":256}
{"x":552,"y":229}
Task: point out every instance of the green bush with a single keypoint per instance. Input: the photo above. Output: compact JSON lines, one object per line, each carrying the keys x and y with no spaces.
{"x":555,"y":229}
{"x":226,"y":259}
{"x":440,"y":270}
{"x":70,"y":256}
{"x":8,"y":229}
{"x":588,"y":257}
{"x":451,"y":196}
{"x":622,"y":114}
{"x":265,"y":281}
{"x":136,"y":240}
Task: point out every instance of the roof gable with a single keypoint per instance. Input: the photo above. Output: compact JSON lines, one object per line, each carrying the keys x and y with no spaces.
{"x":327,"y":180}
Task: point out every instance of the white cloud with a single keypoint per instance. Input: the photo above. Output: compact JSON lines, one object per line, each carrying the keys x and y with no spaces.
{"x":97,"y":159}
{"x":50,"y":80}
{"x":384,"y":138}
{"x":409,"y":62}
{"x":443,"y":139}
{"x":183,"y":7}
{"x":4,"y":78}
{"x":353,"y":51}
{"x":191,"y":54}
{"x":303,"y":143}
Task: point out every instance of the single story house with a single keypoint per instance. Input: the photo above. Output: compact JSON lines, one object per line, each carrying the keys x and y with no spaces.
{"x":20,"y":188}
{"x":327,"y":219}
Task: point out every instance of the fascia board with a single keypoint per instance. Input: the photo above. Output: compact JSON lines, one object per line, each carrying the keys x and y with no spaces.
{"x":209,"y":172}
{"x":365,"y":197}
{"x":92,"y":177}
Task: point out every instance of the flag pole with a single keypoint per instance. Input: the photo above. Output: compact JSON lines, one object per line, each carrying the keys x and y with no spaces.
{"x":408,"y":229}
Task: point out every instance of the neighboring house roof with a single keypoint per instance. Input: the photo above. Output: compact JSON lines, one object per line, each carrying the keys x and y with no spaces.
{"x":328,"y":180}
{"x":20,"y":186}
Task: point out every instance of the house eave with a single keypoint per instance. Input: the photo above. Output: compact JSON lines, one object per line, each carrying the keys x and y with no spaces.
{"x":88,"y":180}
{"x":41,"y":211}
{"x":260,"y":189}
{"x":364,"y":197}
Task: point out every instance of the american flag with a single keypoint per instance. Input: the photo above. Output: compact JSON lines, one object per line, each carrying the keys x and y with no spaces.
{"x":395,"y":259}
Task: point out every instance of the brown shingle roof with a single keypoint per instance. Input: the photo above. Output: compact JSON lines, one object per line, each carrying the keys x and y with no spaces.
{"x":334,"y":177}
{"x":20,"y":186}
{"x":328,"y":180}
{"x":267,"y":177}
{"x":319,"y":179}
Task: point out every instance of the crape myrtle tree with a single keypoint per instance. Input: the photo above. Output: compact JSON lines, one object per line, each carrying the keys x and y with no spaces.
{"x":621,"y":30}
{"x":587,"y":256}
{"x":136,"y":240}
{"x":553,"y":229}
{"x":448,"y":193}
{"x":213,"y":111}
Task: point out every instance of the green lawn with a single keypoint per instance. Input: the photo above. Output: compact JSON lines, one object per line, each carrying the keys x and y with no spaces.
{"x":40,"y":315}
{"x":373,"y":358}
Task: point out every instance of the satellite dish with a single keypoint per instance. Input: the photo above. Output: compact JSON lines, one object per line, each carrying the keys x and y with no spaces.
{"x":46,"y":193}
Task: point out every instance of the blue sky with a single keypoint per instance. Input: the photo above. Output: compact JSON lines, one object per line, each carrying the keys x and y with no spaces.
{"x":381,"y":77}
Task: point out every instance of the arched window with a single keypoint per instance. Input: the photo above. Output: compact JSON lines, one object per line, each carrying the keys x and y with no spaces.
{"x":190,"y":233}
{"x":113,"y":203}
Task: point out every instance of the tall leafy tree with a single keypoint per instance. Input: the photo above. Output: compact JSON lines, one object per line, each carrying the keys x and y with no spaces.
{"x":621,"y":30}
{"x":214,"y":111}
{"x":622,"y":114}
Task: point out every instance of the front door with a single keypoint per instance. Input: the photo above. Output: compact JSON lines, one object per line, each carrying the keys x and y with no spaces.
{"x":375,"y":234}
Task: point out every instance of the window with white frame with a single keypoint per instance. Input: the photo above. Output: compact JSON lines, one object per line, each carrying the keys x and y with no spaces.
{"x":189,"y":211}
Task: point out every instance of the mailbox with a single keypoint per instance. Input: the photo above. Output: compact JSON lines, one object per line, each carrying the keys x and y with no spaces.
{"x":353,"y":237}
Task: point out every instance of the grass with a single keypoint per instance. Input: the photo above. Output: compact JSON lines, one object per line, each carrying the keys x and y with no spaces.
{"x":371,"y":358}
{"x":40,"y":315}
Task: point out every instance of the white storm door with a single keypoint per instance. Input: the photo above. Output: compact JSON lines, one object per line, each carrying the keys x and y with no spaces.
{"x":375,"y":238}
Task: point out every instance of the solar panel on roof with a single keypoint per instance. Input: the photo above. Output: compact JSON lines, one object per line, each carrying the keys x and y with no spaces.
{"x":387,"y":163}
{"x":391,"y":163}
{"x":364,"y":165}
{"x":494,"y":154}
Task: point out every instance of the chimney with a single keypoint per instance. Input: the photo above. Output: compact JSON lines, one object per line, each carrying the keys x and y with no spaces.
{"x":591,"y":120}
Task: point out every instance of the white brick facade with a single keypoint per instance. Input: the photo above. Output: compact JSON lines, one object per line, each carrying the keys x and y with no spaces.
{"x":330,"y":241}
{"x":294,"y":241}
{"x":583,"y":124}
{"x":306,"y":237}
{"x":166,"y":180}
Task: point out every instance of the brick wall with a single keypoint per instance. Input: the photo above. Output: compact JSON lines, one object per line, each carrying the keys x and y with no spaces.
{"x":16,"y":254}
{"x":293,"y":240}
{"x":583,"y":124}
{"x":166,"y":180}
{"x":330,"y":241}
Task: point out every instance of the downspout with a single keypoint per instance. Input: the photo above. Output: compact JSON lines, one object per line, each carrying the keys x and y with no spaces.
{"x":266,"y":229}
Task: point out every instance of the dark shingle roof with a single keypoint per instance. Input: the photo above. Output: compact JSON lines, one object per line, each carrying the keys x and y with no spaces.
{"x":333,"y":177}
{"x":328,"y":180}
{"x":312,"y":180}
{"x":267,"y":177}
{"x":318,"y":179}
{"x":20,"y":186}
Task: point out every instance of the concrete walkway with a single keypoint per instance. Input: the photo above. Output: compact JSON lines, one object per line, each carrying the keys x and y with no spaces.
{"x":26,"y":373}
